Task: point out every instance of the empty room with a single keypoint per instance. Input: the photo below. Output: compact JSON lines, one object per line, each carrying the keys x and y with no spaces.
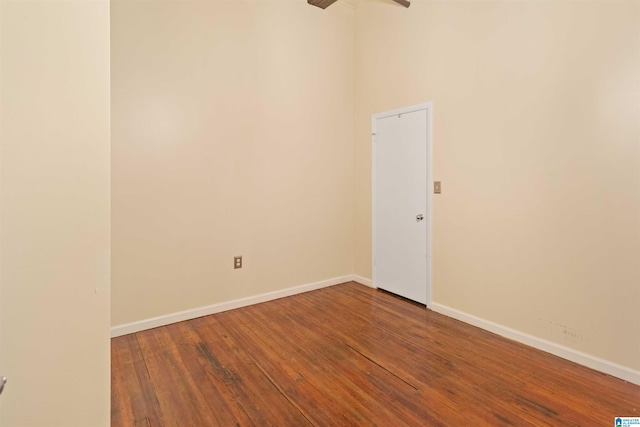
{"x":319,"y":213}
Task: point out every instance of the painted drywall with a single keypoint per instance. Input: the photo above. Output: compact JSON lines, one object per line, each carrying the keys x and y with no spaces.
{"x":232,"y":134}
{"x":54,"y":208}
{"x":536,"y":140}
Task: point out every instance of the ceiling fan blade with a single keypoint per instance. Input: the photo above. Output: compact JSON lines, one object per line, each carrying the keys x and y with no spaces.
{"x":322,"y":4}
{"x":405,"y":3}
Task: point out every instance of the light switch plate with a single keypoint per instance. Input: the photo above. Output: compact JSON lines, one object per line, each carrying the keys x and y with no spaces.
{"x":437,"y":187}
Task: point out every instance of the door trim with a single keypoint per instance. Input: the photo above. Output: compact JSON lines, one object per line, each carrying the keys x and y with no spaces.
{"x":428,"y":107}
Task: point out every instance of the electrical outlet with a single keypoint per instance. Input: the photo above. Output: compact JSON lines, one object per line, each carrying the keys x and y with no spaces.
{"x":237,"y":261}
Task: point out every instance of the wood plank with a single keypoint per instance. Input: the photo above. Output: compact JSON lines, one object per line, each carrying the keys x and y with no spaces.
{"x":334,"y":368}
{"x":443,"y":391}
{"x":133,"y":399}
{"x":184,"y":392}
{"x":520,"y":366}
{"x":227,"y":363}
{"x":350,"y":355}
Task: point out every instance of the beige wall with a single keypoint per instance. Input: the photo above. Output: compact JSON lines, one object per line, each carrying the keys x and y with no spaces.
{"x":233,"y":128}
{"x":232,"y":134}
{"x":536,"y":140}
{"x":54,"y":206}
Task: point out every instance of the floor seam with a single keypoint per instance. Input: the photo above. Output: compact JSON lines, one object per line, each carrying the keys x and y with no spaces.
{"x":272,"y":381}
{"x":381,"y":367}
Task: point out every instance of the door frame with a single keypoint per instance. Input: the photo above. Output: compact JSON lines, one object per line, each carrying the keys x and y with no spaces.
{"x":428,"y":108}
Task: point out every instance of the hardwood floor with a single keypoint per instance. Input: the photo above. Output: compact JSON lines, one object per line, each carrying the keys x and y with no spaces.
{"x":350,"y":355}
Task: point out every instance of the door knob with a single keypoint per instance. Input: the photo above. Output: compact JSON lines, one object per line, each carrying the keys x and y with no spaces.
{"x":3,"y":381}
{"x":419,"y":217}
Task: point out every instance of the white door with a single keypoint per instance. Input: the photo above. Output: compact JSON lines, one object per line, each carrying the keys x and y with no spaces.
{"x":401,"y":203}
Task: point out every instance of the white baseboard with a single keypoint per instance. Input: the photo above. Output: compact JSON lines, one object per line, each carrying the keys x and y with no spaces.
{"x":572,"y":355}
{"x":361,"y":280}
{"x":576,"y":356}
{"x":154,"y":322}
